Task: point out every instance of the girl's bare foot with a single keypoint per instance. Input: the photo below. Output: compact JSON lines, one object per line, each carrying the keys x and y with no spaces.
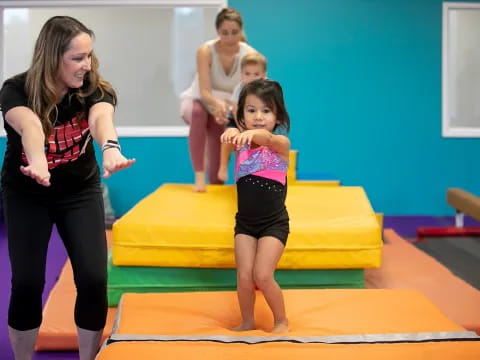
{"x":280,"y":327}
{"x":200,"y":184}
{"x":222,"y":174}
{"x":244,"y":327}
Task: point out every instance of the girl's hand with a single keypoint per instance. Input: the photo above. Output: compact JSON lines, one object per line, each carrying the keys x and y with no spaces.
{"x":243,"y":138}
{"x":229,"y":134}
{"x":38,"y":172}
{"x":113,"y":161}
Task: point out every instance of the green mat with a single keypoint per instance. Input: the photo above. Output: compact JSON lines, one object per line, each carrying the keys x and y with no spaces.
{"x":132,"y":279}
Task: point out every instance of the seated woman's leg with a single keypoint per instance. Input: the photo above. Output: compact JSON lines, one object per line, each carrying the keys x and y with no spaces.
{"x":196,"y":141}
{"x":214,"y":131}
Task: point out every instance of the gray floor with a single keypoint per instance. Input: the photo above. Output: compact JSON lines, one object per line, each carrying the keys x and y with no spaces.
{"x":460,"y":254}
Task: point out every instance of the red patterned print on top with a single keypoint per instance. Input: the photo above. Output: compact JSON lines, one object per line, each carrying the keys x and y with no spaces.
{"x":67,"y":142}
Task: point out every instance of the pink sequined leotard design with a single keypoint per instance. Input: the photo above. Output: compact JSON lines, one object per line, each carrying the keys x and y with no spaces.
{"x":262,"y":162}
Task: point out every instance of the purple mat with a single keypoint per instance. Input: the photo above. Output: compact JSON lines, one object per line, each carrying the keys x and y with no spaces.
{"x":55,"y":260}
{"x":406,"y":226}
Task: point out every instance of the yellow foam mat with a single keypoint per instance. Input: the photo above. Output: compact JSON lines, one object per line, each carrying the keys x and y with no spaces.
{"x":292,"y":166}
{"x":331,"y":227}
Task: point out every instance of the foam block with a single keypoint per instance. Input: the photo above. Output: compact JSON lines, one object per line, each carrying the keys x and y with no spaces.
{"x":331,"y":228}
{"x":144,"y":279}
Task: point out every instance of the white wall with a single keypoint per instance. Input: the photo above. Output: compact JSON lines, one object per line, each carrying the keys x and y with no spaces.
{"x":467,"y":97}
{"x":147,"y":53}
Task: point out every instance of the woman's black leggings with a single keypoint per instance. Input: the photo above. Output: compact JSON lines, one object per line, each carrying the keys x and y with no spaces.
{"x":79,"y":218}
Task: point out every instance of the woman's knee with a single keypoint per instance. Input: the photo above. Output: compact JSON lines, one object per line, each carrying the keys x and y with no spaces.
{"x":25,"y":310}
{"x":91,"y":283}
{"x":29,"y":288}
{"x":198,"y":112}
{"x":91,"y":308}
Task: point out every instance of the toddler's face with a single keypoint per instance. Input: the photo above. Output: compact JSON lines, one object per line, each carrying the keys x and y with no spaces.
{"x":252,"y":72}
{"x":257,"y":115}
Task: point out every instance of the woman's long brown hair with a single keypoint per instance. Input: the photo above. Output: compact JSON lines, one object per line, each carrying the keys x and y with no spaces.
{"x":42,"y":76}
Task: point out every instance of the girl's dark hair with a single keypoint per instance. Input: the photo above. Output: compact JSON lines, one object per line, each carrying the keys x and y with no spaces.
{"x":271,"y":94}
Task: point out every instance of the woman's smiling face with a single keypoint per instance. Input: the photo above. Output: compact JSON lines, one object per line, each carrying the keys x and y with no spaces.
{"x":75,"y":63}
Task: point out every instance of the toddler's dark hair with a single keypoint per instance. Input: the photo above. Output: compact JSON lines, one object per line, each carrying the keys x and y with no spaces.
{"x":271,"y":93}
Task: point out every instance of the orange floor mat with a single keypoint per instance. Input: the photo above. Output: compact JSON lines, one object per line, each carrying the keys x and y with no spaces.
{"x":288,"y":351}
{"x":312,"y":312}
{"x":406,"y":267}
{"x":58,"y":330}
{"x":148,"y":325}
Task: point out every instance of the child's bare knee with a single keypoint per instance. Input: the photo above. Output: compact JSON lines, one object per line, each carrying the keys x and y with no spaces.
{"x":245,"y":279}
{"x":263,"y":277}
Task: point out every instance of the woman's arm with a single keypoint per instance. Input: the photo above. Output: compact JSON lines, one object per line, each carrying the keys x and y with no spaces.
{"x":27,"y":124}
{"x":100,"y":121}
{"x":204,"y":61}
{"x":278,"y":143}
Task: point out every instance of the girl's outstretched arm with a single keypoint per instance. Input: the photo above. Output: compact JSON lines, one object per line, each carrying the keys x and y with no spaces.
{"x":277,"y":143}
{"x":228,"y":135}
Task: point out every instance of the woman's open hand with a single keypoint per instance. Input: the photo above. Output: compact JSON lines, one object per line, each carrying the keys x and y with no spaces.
{"x":38,"y":172}
{"x":113,"y":161}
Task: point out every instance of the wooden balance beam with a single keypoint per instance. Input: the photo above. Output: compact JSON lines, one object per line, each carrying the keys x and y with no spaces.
{"x":464,"y":203}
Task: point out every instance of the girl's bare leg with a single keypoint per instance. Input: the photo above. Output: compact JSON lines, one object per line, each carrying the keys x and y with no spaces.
{"x":269,"y":252}
{"x":245,"y":249}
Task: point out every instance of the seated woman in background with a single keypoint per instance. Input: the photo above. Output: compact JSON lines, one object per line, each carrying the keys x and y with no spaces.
{"x":218,"y":68}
